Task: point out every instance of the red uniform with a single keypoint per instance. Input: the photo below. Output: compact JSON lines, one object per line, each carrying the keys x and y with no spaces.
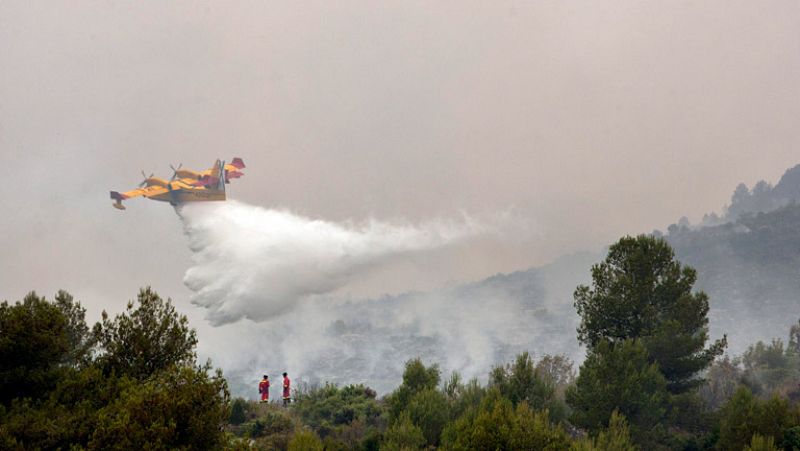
{"x":263,"y":388}
{"x":286,"y":390}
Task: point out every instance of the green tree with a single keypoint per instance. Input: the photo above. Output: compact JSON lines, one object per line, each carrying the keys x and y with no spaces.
{"x":791,"y":438}
{"x":692,"y":424}
{"x":57,"y":396}
{"x":67,"y":417}
{"x":619,"y":378}
{"x":238,"y":411}
{"x":268,"y":426}
{"x":520,"y":382}
{"x":556,"y":370}
{"x":462,"y":397}
{"x":305,"y":440}
{"x":179,"y":407}
{"x":145,"y":339}
{"x":487,"y":427}
{"x":34,"y":341}
{"x":639,"y":291}
{"x":616,"y":437}
{"x":722,"y":380}
{"x":78,"y":333}
{"x":767,"y":366}
{"x":416,"y":378}
{"x":428,"y":409}
{"x":761,"y":443}
{"x":533,"y":430}
{"x":773,"y":368}
{"x":745,"y":415}
{"x":497,"y":424}
{"x":403,"y":435}
{"x":737,"y":420}
{"x":350,"y":413}
{"x":794,"y":340}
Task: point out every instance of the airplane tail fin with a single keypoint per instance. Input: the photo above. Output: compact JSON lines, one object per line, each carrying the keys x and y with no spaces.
{"x":238,"y":163}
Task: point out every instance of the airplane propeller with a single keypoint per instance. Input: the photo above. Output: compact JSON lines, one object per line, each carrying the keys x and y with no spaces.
{"x":175,"y":170}
{"x":144,"y":182}
{"x":222,"y":176}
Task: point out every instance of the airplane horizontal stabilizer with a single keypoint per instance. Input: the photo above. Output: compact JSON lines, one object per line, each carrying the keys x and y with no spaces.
{"x":238,"y":163}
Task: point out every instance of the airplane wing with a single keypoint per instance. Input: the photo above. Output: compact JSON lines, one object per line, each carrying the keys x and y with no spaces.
{"x":148,"y":191}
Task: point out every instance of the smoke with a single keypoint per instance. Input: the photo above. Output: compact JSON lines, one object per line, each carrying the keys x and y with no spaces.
{"x":256,"y":263}
{"x":468,"y":328}
{"x":270,"y":283}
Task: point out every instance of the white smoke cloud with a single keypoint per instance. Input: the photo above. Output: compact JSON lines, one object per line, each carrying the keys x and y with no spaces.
{"x":277,"y":276}
{"x":468,"y":328}
{"x":257,"y":263}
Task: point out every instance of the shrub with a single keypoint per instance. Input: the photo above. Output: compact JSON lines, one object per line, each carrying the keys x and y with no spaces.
{"x":305,"y":440}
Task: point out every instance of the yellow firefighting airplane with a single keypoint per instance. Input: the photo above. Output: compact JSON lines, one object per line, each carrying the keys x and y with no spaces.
{"x":185,"y":185}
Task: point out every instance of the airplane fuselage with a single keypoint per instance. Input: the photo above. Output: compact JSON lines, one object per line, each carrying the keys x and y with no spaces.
{"x":185,"y":185}
{"x":195,"y":195}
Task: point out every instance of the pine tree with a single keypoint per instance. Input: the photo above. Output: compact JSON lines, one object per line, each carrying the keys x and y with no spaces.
{"x":640,"y":292}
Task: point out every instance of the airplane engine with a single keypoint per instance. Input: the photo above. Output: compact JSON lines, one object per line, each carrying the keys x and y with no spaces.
{"x":155,"y":181}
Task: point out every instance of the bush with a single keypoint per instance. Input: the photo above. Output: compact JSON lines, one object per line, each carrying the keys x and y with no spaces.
{"x":329,"y":406}
{"x":533,"y":430}
{"x":346,"y":416}
{"x":305,"y":440}
{"x":403,"y":435}
{"x":428,"y":410}
{"x":761,"y":443}
{"x":463,"y":397}
{"x":745,"y":415}
{"x":791,"y":438}
{"x":496,"y":424}
{"x":238,"y":411}
{"x":180,"y":407}
{"x":617,"y":436}
{"x":271,"y":422}
{"x":521,"y":382}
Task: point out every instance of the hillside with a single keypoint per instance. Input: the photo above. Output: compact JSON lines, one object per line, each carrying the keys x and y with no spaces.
{"x":747,"y":262}
{"x":467,"y":328}
{"x":751,"y":270}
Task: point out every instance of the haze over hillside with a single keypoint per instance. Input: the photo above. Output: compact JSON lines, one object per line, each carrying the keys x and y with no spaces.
{"x":748,"y":264}
{"x":748,"y":260}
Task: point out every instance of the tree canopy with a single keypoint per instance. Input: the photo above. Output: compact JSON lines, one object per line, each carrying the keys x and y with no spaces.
{"x":36,"y":338}
{"x":619,"y":379}
{"x":641,"y":292}
{"x":148,"y":337}
{"x":133,"y":382}
{"x":130,"y":383}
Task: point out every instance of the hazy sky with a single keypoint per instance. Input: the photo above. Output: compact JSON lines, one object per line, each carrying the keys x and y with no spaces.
{"x":585,"y":120}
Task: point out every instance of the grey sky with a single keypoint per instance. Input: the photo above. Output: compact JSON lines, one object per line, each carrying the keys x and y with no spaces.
{"x":589,"y":120}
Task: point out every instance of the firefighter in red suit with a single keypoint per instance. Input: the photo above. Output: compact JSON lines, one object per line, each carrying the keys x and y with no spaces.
{"x":263,"y":388}
{"x":286,"y":389}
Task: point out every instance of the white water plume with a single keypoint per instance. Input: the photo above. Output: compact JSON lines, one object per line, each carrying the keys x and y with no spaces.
{"x":257,"y":263}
